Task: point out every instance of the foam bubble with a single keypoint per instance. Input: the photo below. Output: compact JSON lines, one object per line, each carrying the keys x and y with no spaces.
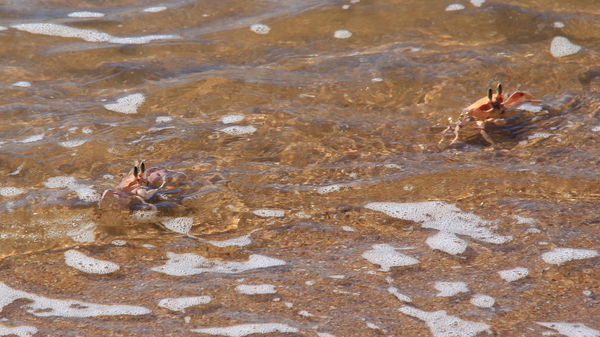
{"x":571,"y":329}
{"x":240,"y":242}
{"x":447,"y":242}
{"x":483,"y":301}
{"x":90,"y":35}
{"x":119,"y":243}
{"x":444,"y":325}
{"x":394,"y":291}
{"x":72,"y":143}
{"x":3,"y":28}
{"x":232,"y":119}
{"x":247,"y":329}
{"x":386,"y":256}
{"x":329,"y":188}
{"x":179,"y":304}
{"x":163,"y":119}
{"x":342,"y":34}
{"x":44,"y":307}
{"x":443,"y":217}
{"x":449,"y":289}
{"x":155,"y":9}
{"x":239,"y":130}
{"x":83,"y":233}
{"x":60,"y":182}
{"x":530,"y":107}
{"x":33,"y":138}
{"x":455,"y":7}
{"x":85,"y":14}
{"x":511,"y":275}
{"x":128,"y":104}
{"x":269,"y":213}
{"x":560,"y":255}
{"x":260,"y":29}
{"x":256,"y":289}
{"x":88,"y":264}
{"x":561,"y":46}
{"x":22,"y":84}
{"x":181,"y":225}
{"x":10,"y":191}
{"x":348,"y":228}
{"x":141,"y":39}
{"x":85,"y":192}
{"x":191,"y":264}
{"x":144,"y":216}
{"x":558,"y":24}
{"x":21,"y":331}
{"x":477,"y":3}
{"x":542,"y":135}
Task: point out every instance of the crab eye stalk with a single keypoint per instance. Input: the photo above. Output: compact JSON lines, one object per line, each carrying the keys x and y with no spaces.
{"x":143,"y":167}
{"x":499,"y":89}
{"x":490,"y":94}
{"x":135,"y":171}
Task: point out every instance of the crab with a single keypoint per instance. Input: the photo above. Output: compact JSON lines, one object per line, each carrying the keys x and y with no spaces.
{"x":486,"y":110}
{"x":140,"y":186}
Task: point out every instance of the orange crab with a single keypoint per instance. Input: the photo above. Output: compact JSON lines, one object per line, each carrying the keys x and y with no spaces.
{"x":488,"y":109}
{"x":140,"y":186}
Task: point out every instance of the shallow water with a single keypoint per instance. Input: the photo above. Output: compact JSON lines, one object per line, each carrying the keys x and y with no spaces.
{"x":314,"y":197}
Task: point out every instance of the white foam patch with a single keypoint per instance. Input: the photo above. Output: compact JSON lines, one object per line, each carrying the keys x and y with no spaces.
{"x":90,"y":35}
{"x":558,"y":24}
{"x":163,"y":119}
{"x":449,"y":289}
{"x":394,"y":291}
{"x":523,"y":220}
{"x":454,"y":7}
{"x":269,"y":213}
{"x":477,"y":3}
{"x":232,"y":119}
{"x":447,"y":242}
{"x":342,"y":34}
{"x":88,"y":264}
{"x":144,"y":216}
{"x":444,"y":325}
{"x":240,"y":242}
{"x":128,"y":104}
{"x":256,"y":289}
{"x":248,"y":329}
{"x":561,"y":46}
{"x":324,"y":334}
{"x":22,"y":84}
{"x":3,"y":28}
{"x":542,"y":135}
{"x":512,"y":275}
{"x":43,"y":307}
{"x":482,"y":301}
{"x":181,"y":303}
{"x":10,"y":191}
{"x":571,"y":329}
{"x":443,"y":217}
{"x":181,"y":225}
{"x":191,"y":264}
{"x":85,"y":192}
{"x":72,"y":143}
{"x":83,"y":233}
{"x":119,"y":243}
{"x":60,"y":182}
{"x":21,"y":331}
{"x":561,"y":255}
{"x":155,"y":9}
{"x":386,"y":256}
{"x":530,"y":107}
{"x":85,"y":14}
{"x":239,"y":130}
{"x":596,"y":128}
{"x":260,"y":29}
{"x":329,"y":188}
{"x":33,"y":138}
{"x":142,"y":39}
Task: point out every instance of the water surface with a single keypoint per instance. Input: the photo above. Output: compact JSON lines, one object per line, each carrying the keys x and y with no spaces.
{"x":308,"y":139}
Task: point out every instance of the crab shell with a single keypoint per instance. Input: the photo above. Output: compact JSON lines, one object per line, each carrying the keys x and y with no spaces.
{"x":485,"y":108}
